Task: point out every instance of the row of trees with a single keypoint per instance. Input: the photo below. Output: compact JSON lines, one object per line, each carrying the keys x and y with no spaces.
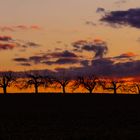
{"x":62,"y":80}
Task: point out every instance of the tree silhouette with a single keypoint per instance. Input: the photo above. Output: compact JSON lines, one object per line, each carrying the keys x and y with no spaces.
{"x":112,"y":85}
{"x":32,"y":79}
{"x":6,"y":80}
{"x":60,"y":80}
{"x":133,"y":87}
{"x":89,"y":82}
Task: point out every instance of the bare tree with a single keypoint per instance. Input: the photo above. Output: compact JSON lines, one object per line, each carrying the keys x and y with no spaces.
{"x":136,"y":87}
{"x":89,"y":82}
{"x":112,"y":85}
{"x":6,"y":80}
{"x":133,"y":87}
{"x":32,"y":79}
{"x":60,"y":80}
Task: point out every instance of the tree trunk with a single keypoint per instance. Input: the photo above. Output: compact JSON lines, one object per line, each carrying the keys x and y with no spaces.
{"x":64,"y":90}
{"x":36,"y":89}
{"x":90,"y":91}
{"x":138,"y":89}
{"x":4,"y":90}
{"x":115,"y":91}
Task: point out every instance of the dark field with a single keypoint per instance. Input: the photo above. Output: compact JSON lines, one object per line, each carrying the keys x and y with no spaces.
{"x":69,"y":117}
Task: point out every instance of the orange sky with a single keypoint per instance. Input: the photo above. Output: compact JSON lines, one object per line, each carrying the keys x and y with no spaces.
{"x":53,"y":24}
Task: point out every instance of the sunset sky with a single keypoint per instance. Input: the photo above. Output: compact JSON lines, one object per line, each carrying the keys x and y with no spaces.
{"x":76,"y":34}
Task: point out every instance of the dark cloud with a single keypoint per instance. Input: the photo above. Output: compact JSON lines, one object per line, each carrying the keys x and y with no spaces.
{"x":9,"y":43}
{"x":108,"y":68}
{"x":129,"y":17}
{"x":65,"y":54}
{"x":5,"y":38}
{"x":84,"y":63}
{"x":100,"y":10}
{"x":66,"y":61}
{"x":99,"y":47}
{"x":103,"y":67}
{"x":7,"y":46}
{"x":64,"y":57}
{"x":20,"y":59}
{"x":49,"y":62}
{"x":30,"y":44}
{"x":62,"y":61}
{"x":36,"y":59}
{"x":33,"y":59}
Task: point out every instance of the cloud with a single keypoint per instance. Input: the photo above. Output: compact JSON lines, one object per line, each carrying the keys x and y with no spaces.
{"x":35,"y":27}
{"x":62,"y":58}
{"x":33,"y":59}
{"x":20,"y":59}
{"x":66,"y":54}
{"x":110,"y":68}
{"x":97,"y":46}
{"x":19,"y":28}
{"x":7,"y":46}
{"x":128,"y":55}
{"x":129,"y":17}
{"x":106,"y":67}
{"x":62,"y":61}
{"x":100,"y":10}
{"x":90,"y":23}
{"x":119,"y":2}
{"x":30,"y":44}
{"x":66,"y":61}
{"x":37,"y":59}
{"x":9,"y":43}
{"x":84,"y":63}
{"x":5,"y":38}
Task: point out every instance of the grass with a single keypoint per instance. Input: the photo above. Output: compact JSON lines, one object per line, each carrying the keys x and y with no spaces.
{"x":69,"y":117}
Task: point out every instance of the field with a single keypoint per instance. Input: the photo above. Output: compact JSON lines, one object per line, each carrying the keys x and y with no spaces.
{"x":69,"y":117}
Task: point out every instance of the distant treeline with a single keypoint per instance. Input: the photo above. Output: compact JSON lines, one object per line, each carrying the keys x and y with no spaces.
{"x":63,"y":79}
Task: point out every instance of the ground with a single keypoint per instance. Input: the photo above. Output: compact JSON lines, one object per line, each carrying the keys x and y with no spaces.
{"x":69,"y":117}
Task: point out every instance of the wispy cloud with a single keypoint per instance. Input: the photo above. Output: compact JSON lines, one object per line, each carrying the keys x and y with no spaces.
{"x":9,"y":43}
{"x":90,"y":23}
{"x":128,"y":55}
{"x":6,"y":38}
{"x":100,"y":10}
{"x":20,"y":28}
{"x":120,"y":2}
{"x":7,"y":46}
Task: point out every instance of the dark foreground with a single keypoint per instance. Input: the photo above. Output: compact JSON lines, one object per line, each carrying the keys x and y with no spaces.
{"x":69,"y":117}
